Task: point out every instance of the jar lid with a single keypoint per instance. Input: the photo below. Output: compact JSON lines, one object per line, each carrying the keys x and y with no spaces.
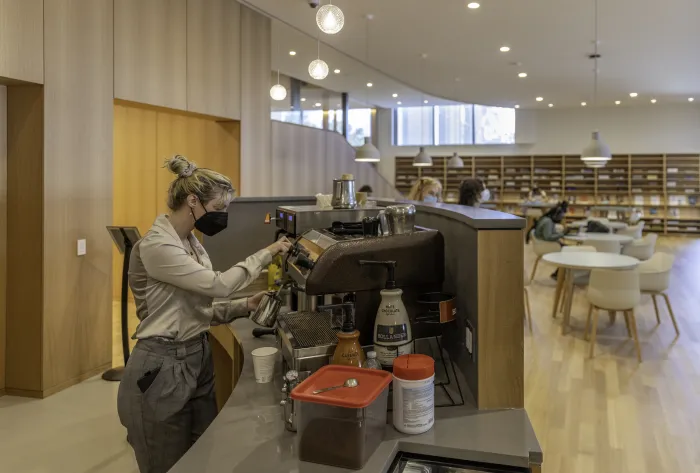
{"x":370,"y":384}
{"x":347,"y":177}
{"x":414,"y":367}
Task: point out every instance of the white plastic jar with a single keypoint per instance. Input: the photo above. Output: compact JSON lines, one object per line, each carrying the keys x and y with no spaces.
{"x":414,"y":393}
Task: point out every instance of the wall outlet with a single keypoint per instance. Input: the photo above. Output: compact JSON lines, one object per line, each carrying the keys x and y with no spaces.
{"x":82,"y":247}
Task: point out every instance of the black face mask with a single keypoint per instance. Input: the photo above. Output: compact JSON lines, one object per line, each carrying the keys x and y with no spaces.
{"x":211,"y":223}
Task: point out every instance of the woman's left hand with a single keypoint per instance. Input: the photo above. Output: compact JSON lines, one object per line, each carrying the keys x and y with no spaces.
{"x":254,"y":301}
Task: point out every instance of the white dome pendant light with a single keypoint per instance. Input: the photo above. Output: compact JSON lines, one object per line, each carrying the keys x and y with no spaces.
{"x":597,"y":153}
{"x":367,"y":153}
{"x":330,"y":19}
{"x":455,"y":162}
{"x":318,"y":69}
{"x":422,"y":159}
{"x":277,"y":91}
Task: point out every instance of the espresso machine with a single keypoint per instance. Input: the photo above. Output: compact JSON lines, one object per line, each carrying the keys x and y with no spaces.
{"x":325,"y":261}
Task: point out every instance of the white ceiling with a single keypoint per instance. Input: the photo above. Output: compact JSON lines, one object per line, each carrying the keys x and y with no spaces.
{"x":651,"y":47}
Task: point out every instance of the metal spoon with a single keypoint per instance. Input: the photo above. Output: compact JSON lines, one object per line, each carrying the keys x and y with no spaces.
{"x":349,"y":383}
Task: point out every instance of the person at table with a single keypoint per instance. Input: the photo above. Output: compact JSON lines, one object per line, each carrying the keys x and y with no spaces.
{"x":366,"y":189}
{"x":537,"y":195}
{"x":472,"y":192}
{"x":426,"y":189}
{"x":545,"y":227}
{"x":166,"y":396}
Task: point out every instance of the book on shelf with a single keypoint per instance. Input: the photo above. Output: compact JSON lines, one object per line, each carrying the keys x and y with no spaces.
{"x":671,"y":170}
{"x":693,"y":199}
{"x":690,"y":191}
{"x":675,"y":212}
{"x":653,"y":211}
{"x":638,"y":200}
{"x":655,"y":200}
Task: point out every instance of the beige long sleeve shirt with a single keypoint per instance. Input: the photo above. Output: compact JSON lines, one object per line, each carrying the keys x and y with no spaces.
{"x":175,"y":291}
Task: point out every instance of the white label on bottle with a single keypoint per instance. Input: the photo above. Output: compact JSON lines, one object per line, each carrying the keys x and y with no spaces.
{"x":418,"y":406}
{"x":387,"y":353}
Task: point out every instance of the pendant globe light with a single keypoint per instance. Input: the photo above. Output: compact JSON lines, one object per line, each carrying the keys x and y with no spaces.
{"x":318,"y":69}
{"x":330,"y":19}
{"x":597,"y":153}
{"x":455,"y":162}
{"x":367,"y":153}
{"x":277,"y":91}
{"x":422,"y":159}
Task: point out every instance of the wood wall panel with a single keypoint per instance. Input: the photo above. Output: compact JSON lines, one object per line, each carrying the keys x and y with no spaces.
{"x":306,"y":160}
{"x":256,"y":133}
{"x":150,"y":52}
{"x":3,"y":229}
{"x":213,"y":58}
{"x":21,"y":40}
{"x":79,"y":95}
{"x":134,"y":200}
{"x":25,"y":204}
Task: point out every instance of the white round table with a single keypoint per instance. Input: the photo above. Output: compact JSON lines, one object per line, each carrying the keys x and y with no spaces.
{"x":611,"y":225}
{"x":584,"y":237}
{"x":581,"y":260}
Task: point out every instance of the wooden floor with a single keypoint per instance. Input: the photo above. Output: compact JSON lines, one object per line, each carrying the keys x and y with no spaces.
{"x":610,"y":414}
{"x":613,"y":414}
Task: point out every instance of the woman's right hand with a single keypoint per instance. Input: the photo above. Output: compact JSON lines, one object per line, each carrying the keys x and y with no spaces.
{"x":281,"y":246}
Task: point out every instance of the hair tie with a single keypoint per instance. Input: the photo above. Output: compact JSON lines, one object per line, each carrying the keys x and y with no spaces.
{"x":189,"y":170}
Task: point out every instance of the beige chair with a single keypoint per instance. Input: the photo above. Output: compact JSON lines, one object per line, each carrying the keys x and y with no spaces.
{"x":604,"y":246}
{"x":654,"y":277}
{"x":542,"y":248}
{"x":641,"y":249}
{"x":613,"y":291}
{"x":526,"y":296}
{"x":635,"y":231}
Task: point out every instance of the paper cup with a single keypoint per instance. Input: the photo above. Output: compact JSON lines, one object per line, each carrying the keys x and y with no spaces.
{"x":264,"y":363}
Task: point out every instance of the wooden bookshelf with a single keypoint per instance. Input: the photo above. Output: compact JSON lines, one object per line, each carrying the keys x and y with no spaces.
{"x":665,"y":186}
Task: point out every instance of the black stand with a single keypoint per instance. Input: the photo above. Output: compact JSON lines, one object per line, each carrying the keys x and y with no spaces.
{"x":125,"y":243}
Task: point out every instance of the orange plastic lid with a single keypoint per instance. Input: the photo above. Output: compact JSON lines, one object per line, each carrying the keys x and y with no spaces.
{"x":414,"y":367}
{"x":371,"y":383}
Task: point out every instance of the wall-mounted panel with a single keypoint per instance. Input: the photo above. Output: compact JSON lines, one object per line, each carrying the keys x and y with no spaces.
{"x":77,"y":325}
{"x":150,"y":52}
{"x":3,"y":229}
{"x":256,"y":161}
{"x":213,"y":58}
{"x":21,"y":40}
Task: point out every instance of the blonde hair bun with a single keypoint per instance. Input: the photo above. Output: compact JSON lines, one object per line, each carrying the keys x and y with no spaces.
{"x":180,"y":166}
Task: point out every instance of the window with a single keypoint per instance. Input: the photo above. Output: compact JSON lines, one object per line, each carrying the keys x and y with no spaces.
{"x":313,"y":118}
{"x":494,"y":125}
{"x":414,"y":126}
{"x":455,"y":125}
{"x":289,"y":117}
{"x":359,"y":125}
{"x":460,"y":124}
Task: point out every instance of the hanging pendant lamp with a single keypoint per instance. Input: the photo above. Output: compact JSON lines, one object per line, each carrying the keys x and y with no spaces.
{"x":318,"y":69}
{"x":367,"y":153}
{"x":597,"y":153}
{"x":422,"y":159}
{"x":330,"y":19}
{"x":277,"y":91}
{"x":455,"y":162}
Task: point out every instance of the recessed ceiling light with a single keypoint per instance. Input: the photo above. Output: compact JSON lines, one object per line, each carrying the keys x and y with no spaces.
{"x":303,"y":99}
{"x":369,"y":84}
{"x":394,"y":95}
{"x":550,"y":105}
{"x":473,"y":5}
{"x":425,"y":101}
{"x":539,"y":99}
{"x":398,"y":103}
{"x":517,"y":106}
{"x":522,"y":75}
{"x":505,"y":49}
{"x":633,"y":94}
{"x":292,"y":53}
{"x":690,"y":99}
{"x":653,"y":100}
{"x":336,"y":71}
{"x":617,"y":102}
{"x":317,"y":104}
{"x":583,"y":104}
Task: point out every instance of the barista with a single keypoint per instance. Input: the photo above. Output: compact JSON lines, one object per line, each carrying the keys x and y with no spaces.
{"x":426,"y":189}
{"x":166,"y":397}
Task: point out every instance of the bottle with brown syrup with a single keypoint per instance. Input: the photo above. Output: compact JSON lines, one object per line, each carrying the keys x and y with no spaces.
{"x":349,"y":351}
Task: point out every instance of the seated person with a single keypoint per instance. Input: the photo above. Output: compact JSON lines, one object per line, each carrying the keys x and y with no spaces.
{"x":472,"y":192}
{"x":426,"y":189}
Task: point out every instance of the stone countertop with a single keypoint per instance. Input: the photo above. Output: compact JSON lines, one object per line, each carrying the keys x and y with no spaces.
{"x":248,"y":435}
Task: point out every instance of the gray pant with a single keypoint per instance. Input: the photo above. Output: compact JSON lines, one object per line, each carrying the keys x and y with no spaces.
{"x":164,"y":421}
